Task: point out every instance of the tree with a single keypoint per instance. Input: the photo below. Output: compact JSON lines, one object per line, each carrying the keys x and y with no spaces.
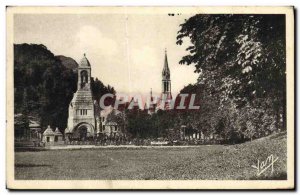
{"x":99,"y":89}
{"x":21,"y":125}
{"x":240,"y":59}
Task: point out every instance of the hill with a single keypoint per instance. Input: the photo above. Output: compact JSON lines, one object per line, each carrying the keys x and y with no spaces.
{"x":43,"y":86}
{"x":68,"y":62}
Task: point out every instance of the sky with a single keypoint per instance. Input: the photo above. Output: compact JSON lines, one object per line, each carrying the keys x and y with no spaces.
{"x":125,"y":51}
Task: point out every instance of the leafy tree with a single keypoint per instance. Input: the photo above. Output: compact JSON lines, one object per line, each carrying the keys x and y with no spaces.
{"x":240,"y":60}
{"x":99,"y":89}
{"x":21,"y":125}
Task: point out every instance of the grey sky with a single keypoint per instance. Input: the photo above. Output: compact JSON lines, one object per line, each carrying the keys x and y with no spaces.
{"x":125,"y":51}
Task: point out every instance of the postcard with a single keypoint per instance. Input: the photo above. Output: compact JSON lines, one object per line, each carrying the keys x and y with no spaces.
{"x":150,"y":98}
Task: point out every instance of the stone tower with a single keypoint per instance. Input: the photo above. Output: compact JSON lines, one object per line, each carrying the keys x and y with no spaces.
{"x":166,"y":83}
{"x":82,"y":121}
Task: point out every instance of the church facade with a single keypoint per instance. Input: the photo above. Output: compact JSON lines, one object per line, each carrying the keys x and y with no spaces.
{"x":82,"y":121}
{"x":86,"y":120}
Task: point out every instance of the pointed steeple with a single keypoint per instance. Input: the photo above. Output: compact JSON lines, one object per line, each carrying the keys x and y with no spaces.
{"x":166,"y":82}
{"x":166,"y":70}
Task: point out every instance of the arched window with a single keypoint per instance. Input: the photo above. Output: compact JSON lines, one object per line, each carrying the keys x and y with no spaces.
{"x":83,"y":77}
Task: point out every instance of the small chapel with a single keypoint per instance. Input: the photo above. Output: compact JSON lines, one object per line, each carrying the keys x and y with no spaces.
{"x":82,"y":122}
{"x":86,"y":121}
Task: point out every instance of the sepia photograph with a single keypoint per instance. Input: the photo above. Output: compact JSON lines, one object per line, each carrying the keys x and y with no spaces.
{"x":150,"y":98}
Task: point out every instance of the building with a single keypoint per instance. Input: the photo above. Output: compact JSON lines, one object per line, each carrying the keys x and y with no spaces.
{"x":82,"y":123}
{"x":35,"y":130}
{"x":58,"y":136}
{"x":166,"y":95}
{"x":48,"y":136}
{"x":51,"y":138}
{"x":109,"y":126}
{"x":86,"y":120}
{"x":32,"y":133}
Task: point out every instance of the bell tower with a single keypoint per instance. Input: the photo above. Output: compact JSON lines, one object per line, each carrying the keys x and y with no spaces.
{"x":84,"y":74}
{"x":81,"y":119}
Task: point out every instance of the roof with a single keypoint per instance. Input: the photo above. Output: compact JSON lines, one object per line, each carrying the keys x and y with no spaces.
{"x":84,"y":62}
{"x":48,"y":131}
{"x":57,"y":132}
{"x":34,"y":124}
{"x":33,"y":121}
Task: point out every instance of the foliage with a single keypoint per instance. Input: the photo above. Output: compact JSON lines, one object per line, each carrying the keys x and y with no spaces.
{"x":241,"y":62}
{"x":99,"y":89}
{"x":22,"y":120}
{"x":49,"y":85}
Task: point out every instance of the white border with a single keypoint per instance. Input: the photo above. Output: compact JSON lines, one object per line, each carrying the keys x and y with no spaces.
{"x":4,"y":3}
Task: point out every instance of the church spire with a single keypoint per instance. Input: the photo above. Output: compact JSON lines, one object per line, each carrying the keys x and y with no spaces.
{"x":166,"y":81}
{"x":166,"y":70}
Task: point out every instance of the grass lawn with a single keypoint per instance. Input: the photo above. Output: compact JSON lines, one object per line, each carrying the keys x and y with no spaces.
{"x":203,"y":162}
